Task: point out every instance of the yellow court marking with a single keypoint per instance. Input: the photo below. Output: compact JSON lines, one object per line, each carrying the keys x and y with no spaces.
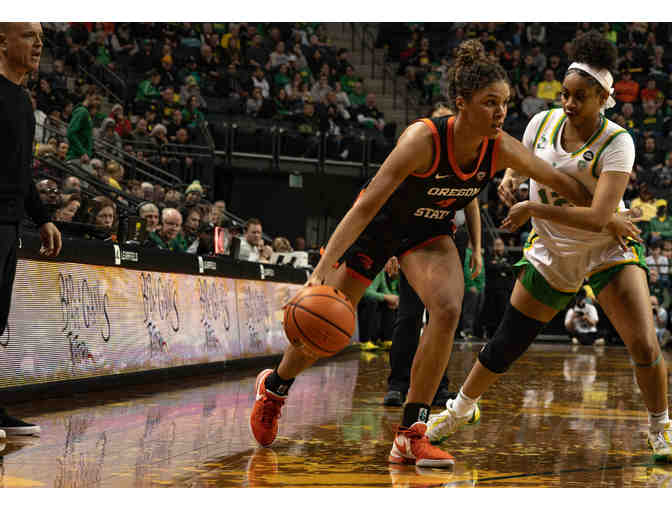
{"x":13,"y":481}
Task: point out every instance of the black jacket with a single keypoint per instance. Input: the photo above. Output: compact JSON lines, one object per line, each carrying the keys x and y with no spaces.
{"x":18,"y":194}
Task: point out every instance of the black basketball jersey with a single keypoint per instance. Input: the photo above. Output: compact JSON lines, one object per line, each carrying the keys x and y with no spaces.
{"x":434,"y":195}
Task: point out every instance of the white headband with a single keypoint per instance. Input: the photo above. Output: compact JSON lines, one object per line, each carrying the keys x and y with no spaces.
{"x":603,"y":77}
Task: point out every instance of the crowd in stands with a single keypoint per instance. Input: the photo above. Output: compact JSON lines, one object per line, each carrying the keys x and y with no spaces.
{"x":176,"y":75}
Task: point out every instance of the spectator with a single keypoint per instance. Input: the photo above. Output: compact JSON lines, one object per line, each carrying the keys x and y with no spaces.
{"x":169,"y":102}
{"x":167,"y":71}
{"x":173,"y":199}
{"x":218,"y":212}
{"x":141,"y":139}
{"x":278,"y":56}
{"x":72,"y":183}
{"x":661,"y":180}
{"x":645,"y":207}
{"x":148,"y":89}
{"x":369,"y":116}
{"x":256,"y":54}
{"x":204,"y":244}
{"x":254,"y":103}
{"x":536,"y":33}
{"x":281,"y":78}
{"x":357,"y":97}
{"x":192,"y":194}
{"x":299,"y":244}
{"x":121,"y":124}
{"x":150,"y":213}
{"x":549,"y":89}
{"x":176,"y":124}
{"x":660,"y":317}
{"x":658,"y":289}
{"x":189,"y":90}
{"x":192,"y":220}
{"x":650,"y":122}
{"x":281,"y":104}
{"x":191,"y":114}
{"x":320,"y":89}
{"x":659,"y":261}
{"x":532,"y":104}
{"x":581,"y":320}
{"x":651,"y":92}
{"x":626,"y":90}
{"x":49,"y":194}
{"x":67,"y":211}
{"x":159,"y":136}
{"x":473,"y":292}
{"x":108,"y":134}
{"x":259,"y":81}
{"x":251,"y":241}
{"x":147,"y":189}
{"x":348,"y":80}
{"x":378,"y":308}
{"x":169,"y":236}
{"x":649,"y":160}
{"x":500,"y":280}
{"x":80,"y":128}
{"x":281,"y":245}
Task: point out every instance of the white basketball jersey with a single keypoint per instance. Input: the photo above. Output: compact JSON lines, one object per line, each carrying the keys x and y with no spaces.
{"x":610,"y":149}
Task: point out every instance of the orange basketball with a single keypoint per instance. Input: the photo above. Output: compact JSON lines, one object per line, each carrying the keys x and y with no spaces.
{"x":320,"y":321}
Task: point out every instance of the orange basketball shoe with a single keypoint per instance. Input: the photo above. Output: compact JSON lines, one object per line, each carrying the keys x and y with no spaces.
{"x":266,"y":411}
{"x":411,"y":446}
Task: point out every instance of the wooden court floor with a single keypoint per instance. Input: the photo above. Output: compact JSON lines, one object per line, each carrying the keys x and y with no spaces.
{"x":563,"y":417}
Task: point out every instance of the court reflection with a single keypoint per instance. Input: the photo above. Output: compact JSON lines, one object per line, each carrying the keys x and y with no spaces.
{"x":562,"y":417}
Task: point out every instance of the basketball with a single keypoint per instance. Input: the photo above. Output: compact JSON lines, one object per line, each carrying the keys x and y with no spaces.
{"x":320,"y":321}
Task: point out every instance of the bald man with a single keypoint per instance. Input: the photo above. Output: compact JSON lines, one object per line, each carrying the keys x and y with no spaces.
{"x":20,"y":51}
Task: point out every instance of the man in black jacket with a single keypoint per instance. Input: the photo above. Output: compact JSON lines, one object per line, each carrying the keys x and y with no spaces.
{"x":20,"y":50}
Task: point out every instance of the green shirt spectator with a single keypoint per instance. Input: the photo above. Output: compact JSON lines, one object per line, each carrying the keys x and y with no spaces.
{"x":148,"y":89}
{"x":178,"y":244}
{"x":382,"y":286}
{"x":349,"y":79}
{"x":357,"y":97}
{"x":660,"y":226}
{"x":80,"y":129}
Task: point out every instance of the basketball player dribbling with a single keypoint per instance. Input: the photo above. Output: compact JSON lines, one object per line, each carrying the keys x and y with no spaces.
{"x":438,"y":166}
{"x":568,"y":245}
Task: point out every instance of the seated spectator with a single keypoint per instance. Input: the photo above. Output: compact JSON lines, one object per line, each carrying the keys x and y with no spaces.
{"x":147,"y":189}
{"x":254,"y":103}
{"x":192,"y":219}
{"x":650,"y":121}
{"x":651,"y":92}
{"x":167,"y":72}
{"x":121,"y":124}
{"x":281,"y":79}
{"x":281,"y":104}
{"x":193,"y":194}
{"x":658,"y":289}
{"x":626,"y":90}
{"x":265,"y":253}
{"x":581,"y":321}
{"x":532,"y":104}
{"x":148,"y":89}
{"x":657,"y":260}
{"x":68,"y":209}
{"x":660,"y":181}
{"x":191,"y":114}
{"x":357,"y":97}
{"x":159,"y":136}
{"x":660,"y":316}
{"x":549,"y":89}
{"x":218,"y":212}
{"x":629,"y":120}
{"x":108,"y":134}
{"x":259,"y":81}
{"x":307,"y":127}
{"x":150,"y":213}
{"x":649,"y":160}
{"x":169,"y":102}
{"x":251,"y":240}
{"x":256,"y":54}
{"x":49,"y":194}
{"x":378,"y":309}
{"x":341,"y":97}
{"x":369,"y":116}
{"x":645,"y":207}
{"x":71,"y":184}
{"x":348,"y":81}
{"x":173,"y":199}
{"x":281,"y":245}
{"x":189,"y":90}
{"x":320,"y":89}
{"x":168,"y":236}
{"x":204,"y":244}
{"x":176,"y":124}
{"x":140,"y":135}
{"x":278,"y":56}
{"x":102,"y":214}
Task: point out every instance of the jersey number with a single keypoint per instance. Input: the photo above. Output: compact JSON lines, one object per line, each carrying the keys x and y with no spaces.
{"x":544,"y":198}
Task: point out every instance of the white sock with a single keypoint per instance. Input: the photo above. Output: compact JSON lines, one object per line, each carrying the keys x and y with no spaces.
{"x":658,"y":421}
{"x":463,"y":405}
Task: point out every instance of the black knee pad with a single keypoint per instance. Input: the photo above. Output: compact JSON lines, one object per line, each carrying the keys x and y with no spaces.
{"x":513,"y":336}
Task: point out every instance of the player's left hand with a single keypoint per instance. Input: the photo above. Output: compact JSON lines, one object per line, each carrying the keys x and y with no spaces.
{"x":518,"y":215}
{"x":622,"y":227}
{"x":476,"y":264}
{"x":51,"y":240}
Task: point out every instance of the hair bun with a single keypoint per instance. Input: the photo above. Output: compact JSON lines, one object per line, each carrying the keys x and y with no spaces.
{"x":469,"y":52}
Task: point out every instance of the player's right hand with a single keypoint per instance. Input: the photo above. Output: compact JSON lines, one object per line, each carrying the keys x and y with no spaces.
{"x":506,"y":191}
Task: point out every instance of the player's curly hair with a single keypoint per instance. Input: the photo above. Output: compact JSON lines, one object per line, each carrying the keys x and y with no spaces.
{"x":472,"y":70}
{"x":593,"y":49}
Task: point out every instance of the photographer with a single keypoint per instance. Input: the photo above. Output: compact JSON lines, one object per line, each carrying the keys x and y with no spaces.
{"x":581,"y":320}
{"x":660,"y":322}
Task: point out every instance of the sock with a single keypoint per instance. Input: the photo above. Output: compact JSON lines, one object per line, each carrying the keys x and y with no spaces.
{"x":415,"y":412}
{"x":657,"y":421}
{"x":462,"y":404}
{"x":276,"y":384}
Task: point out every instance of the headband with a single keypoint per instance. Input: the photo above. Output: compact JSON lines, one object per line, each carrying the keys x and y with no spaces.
{"x":603,"y":77}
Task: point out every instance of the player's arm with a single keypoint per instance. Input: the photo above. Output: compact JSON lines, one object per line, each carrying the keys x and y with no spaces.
{"x":414,"y":151}
{"x":472,"y":215}
{"x":514,"y":154}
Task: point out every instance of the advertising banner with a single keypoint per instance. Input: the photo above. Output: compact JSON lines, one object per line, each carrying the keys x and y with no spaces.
{"x":71,"y":320}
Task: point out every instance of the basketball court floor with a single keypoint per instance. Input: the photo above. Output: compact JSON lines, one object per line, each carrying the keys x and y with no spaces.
{"x":565,"y":416}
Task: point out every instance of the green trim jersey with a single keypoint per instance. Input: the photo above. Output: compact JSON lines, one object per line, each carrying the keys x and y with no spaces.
{"x":564,"y":255}
{"x":610,"y":149}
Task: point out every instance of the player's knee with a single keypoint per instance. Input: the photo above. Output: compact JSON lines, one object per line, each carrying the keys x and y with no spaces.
{"x":644,"y":350}
{"x":445,"y":309}
{"x":513,"y":337}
